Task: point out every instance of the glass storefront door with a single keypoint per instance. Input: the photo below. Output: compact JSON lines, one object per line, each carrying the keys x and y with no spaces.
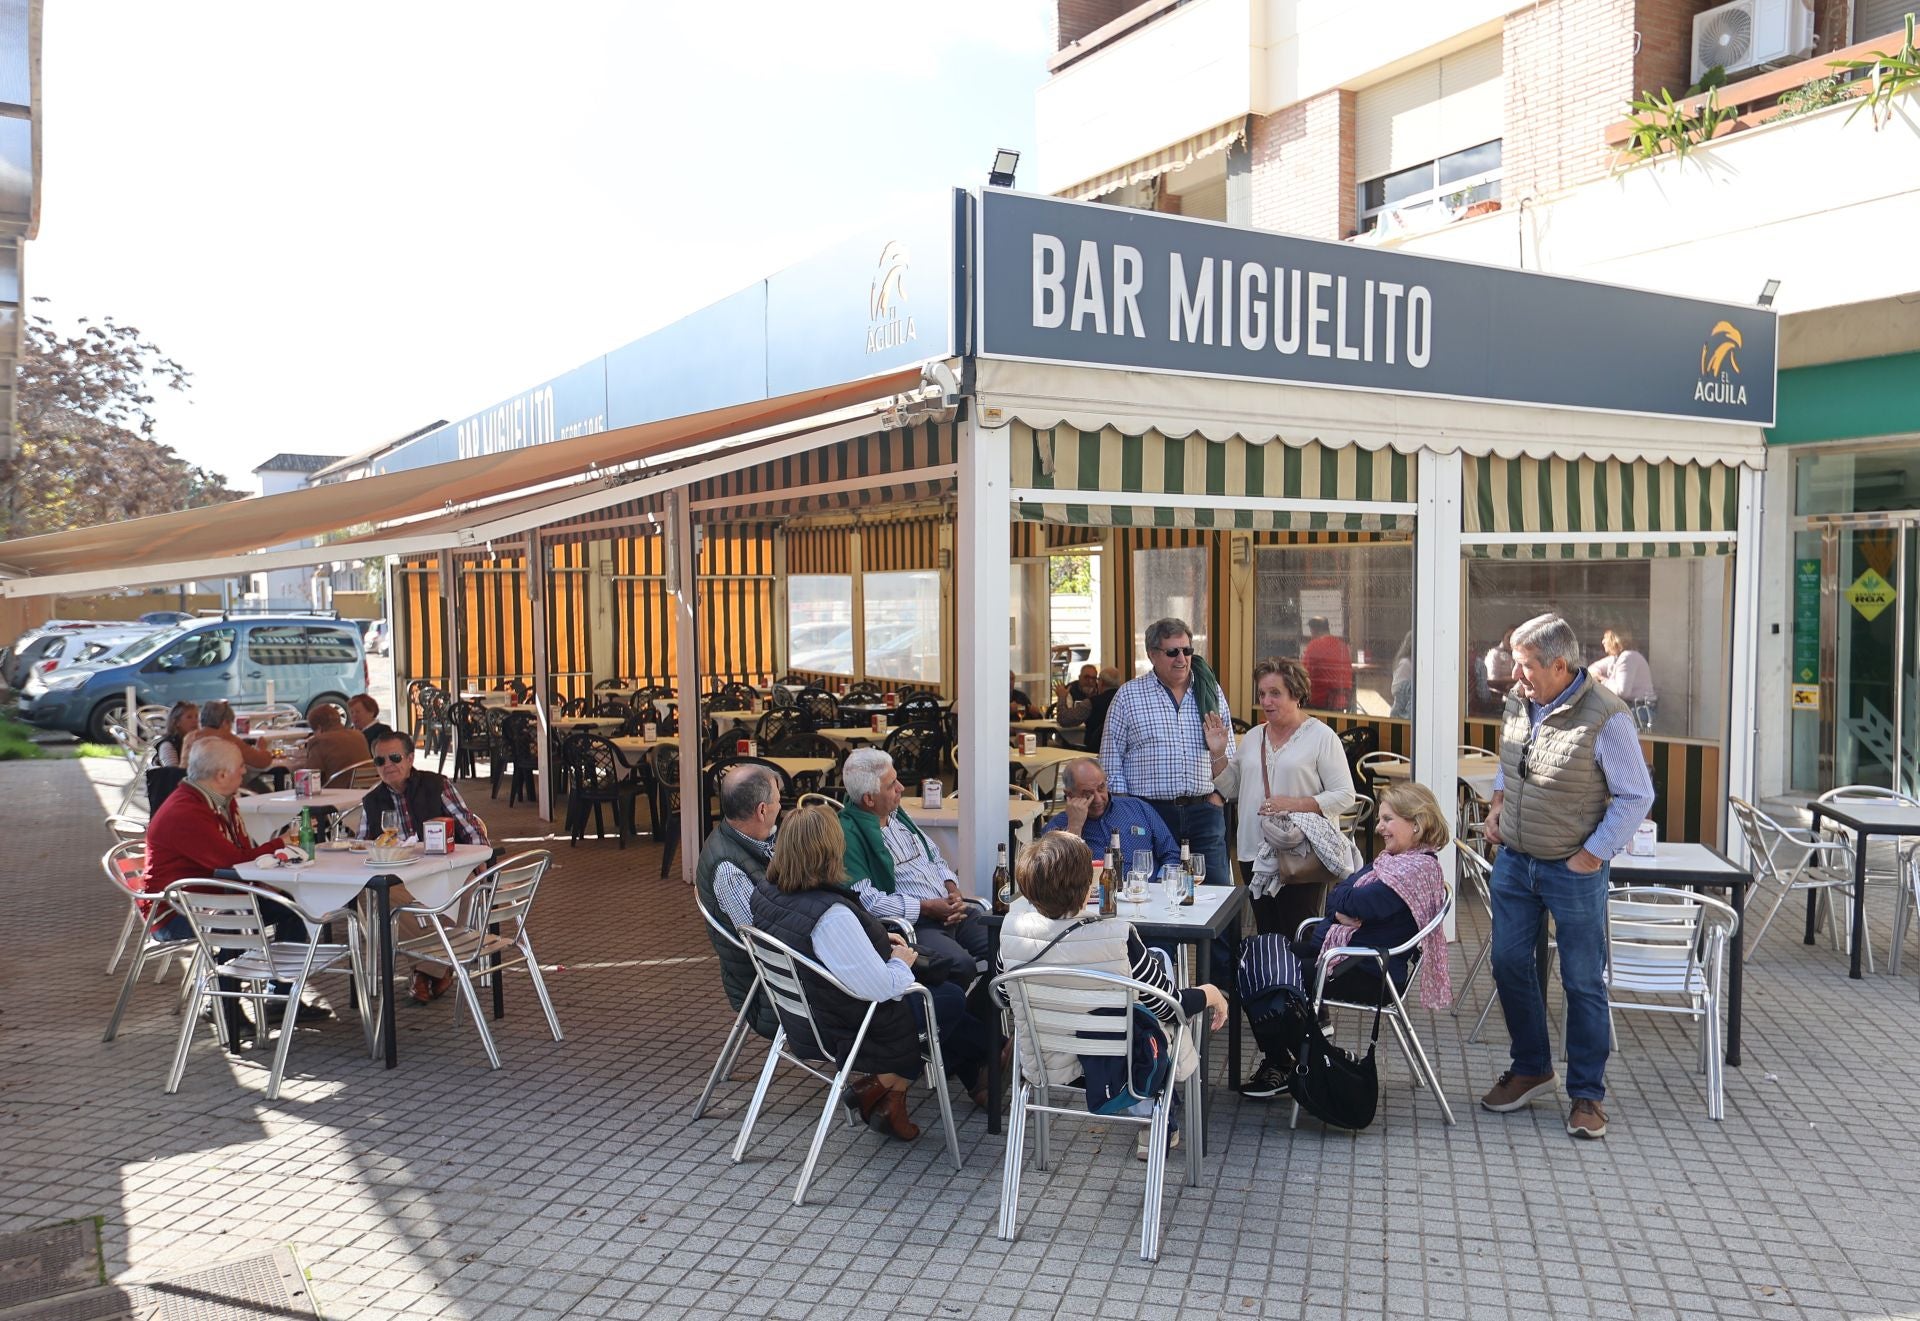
{"x":1868,"y":613}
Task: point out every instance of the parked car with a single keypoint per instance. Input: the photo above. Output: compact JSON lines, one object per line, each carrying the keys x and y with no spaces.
{"x":311,"y":660}
{"x":77,"y":649}
{"x":374,"y":635}
{"x":161,"y":618}
{"x":35,"y":643}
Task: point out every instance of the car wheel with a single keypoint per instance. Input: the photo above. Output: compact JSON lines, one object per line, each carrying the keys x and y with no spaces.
{"x":113,"y":711}
{"x":334,"y":700}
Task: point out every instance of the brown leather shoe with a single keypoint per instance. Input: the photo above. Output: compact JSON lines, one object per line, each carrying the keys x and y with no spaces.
{"x":890,"y":1117}
{"x":422,"y":987}
{"x":1588,"y":1120}
{"x":1515,"y":1090}
{"x":440,"y":985}
{"x":863,"y":1094}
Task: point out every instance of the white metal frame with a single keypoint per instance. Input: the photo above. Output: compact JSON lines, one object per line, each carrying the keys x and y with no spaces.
{"x":1667,"y":942}
{"x":742,"y":1021}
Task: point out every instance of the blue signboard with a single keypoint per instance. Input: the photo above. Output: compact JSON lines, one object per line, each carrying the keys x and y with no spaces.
{"x":1110,"y":287}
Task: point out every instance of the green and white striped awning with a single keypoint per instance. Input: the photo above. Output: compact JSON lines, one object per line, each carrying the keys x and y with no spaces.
{"x":1549,"y":498}
{"x":1071,"y":462}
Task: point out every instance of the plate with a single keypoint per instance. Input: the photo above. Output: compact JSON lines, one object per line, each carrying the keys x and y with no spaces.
{"x":396,"y":862}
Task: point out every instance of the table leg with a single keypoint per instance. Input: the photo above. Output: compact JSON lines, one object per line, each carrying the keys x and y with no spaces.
{"x":1858,"y":943}
{"x":1202,"y":976}
{"x":1813,"y":896}
{"x":499,"y":986}
{"x":1736,"y":974}
{"x":994,"y":1035}
{"x":383,"y":904}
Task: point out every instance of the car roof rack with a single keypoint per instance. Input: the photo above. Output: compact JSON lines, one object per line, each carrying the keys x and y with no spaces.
{"x":265,"y":612}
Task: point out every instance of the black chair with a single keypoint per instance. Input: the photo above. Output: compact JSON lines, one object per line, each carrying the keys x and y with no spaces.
{"x":735,"y":697}
{"x":436,"y":725}
{"x":920,"y":709}
{"x":665,"y":765}
{"x":724,"y":764}
{"x":519,"y":734}
{"x":161,"y":781}
{"x":775,"y":727}
{"x":475,"y":732}
{"x":916,"y":753}
{"x":864,"y":692}
{"x":1357,"y":742}
{"x":818,"y":708}
{"x":596,"y":779}
{"x":612,"y":706}
{"x":782,"y":697}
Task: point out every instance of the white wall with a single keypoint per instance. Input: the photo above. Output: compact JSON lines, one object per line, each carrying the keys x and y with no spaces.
{"x":1306,"y":47}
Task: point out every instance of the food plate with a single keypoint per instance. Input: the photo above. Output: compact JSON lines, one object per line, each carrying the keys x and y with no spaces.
{"x":411,"y":856}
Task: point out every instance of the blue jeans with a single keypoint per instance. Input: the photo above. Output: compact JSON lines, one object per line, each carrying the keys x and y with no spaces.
{"x":1203,"y":826}
{"x":963,"y":1038}
{"x":1524,"y":891}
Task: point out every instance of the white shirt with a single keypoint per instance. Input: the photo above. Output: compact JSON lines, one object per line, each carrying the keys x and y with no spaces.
{"x":1310,"y":764}
{"x":1627,"y":675}
{"x":842,"y":947}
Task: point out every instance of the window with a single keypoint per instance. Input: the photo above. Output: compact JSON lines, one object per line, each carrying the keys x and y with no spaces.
{"x":903,"y":625}
{"x":302,"y":646}
{"x":820,"y":623}
{"x":1363,"y":659}
{"x":213,"y":646}
{"x":1170,"y":582}
{"x":1674,"y":612}
{"x":1453,"y":182}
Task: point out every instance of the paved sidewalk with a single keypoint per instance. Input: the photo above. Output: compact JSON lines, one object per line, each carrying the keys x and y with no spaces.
{"x":572,"y":1183}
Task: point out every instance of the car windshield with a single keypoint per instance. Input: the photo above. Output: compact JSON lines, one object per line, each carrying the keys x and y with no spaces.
{"x":141,"y":648}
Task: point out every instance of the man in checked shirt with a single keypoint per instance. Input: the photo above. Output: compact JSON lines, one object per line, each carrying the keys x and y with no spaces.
{"x":1155,"y":748}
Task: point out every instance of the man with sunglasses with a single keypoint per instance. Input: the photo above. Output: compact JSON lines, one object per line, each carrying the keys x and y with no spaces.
{"x":1154,"y":747}
{"x":416,"y":796}
{"x":1571,"y":789}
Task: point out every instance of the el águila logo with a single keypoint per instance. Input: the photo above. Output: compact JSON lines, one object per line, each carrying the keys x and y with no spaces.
{"x":1719,"y":364}
{"x":889,"y":325}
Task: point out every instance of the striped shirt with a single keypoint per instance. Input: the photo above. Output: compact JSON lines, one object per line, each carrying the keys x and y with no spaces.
{"x":1154,"y":747}
{"x":843,"y":949}
{"x":919,"y":872}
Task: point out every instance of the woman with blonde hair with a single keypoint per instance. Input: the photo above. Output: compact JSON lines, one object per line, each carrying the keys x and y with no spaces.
{"x":182,"y":719}
{"x":1387,"y":902}
{"x":806,"y":904}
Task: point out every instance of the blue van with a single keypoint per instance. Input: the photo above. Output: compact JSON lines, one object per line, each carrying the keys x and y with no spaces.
{"x":311,"y":660}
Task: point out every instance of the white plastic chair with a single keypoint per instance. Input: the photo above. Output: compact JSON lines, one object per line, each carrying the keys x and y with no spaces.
{"x":785,"y":973}
{"x":233,"y":941}
{"x":1054,"y":1012}
{"x":1663,"y":942}
{"x":1395,"y":1008}
{"x":742,"y":1021}
{"x":481,"y":931}
{"x":1796,"y":860}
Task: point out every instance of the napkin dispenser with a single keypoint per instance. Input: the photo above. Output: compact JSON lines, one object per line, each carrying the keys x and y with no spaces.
{"x":436,"y":834}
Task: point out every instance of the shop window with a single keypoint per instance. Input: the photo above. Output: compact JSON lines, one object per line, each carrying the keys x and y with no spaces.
{"x":1170,"y":582}
{"x":902,"y":619}
{"x":1346,"y":612}
{"x":1872,"y":481}
{"x":1674,"y":612}
{"x":820,"y":623}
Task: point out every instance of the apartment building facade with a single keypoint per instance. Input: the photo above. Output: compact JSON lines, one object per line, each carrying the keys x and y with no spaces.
{"x":1499,"y":133}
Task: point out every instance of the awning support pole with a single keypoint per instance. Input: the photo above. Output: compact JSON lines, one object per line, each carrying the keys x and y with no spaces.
{"x":682,"y":563}
{"x":1743,"y":677}
{"x":1437,"y":620}
{"x":536,"y":561}
{"x":983,"y":573}
{"x":450,"y":595}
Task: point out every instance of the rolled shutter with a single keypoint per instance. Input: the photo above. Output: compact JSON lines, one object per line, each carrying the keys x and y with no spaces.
{"x":1451,"y":103}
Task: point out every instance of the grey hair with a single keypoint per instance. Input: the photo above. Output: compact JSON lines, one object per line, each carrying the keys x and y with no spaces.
{"x":209,"y":757}
{"x":216,"y":713}
{"x":1549,"y":638}
{"x":1162,"y":629}
{"x":1110,"y":675}
{"x":743,"y":789}
{"x":864,"y":770}
{"x":1071,"y":771}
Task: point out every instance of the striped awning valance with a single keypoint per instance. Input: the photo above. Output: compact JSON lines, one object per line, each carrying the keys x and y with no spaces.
{"x":1168,"y":159}
{"x":1072,"y":462}
{"x":1570,"y":498}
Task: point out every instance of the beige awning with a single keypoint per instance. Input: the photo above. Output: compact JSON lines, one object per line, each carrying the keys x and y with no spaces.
{"x":412,"y":508}
{"x":1168,"y":159}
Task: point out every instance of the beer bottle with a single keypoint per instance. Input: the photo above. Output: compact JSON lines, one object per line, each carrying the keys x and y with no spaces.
{"x":1116,"y":865}
{"x":1186,"y":872}
{"x":1002,"y":882}
{"x":1109,"y":902}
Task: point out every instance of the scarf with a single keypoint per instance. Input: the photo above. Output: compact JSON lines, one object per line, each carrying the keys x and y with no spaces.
{"x":1206,"y":688}
{"x":1415,"y":876}
{"x":868,"y":857}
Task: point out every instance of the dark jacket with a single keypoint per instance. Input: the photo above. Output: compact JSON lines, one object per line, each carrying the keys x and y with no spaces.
{"x":892,"y":1043}
{"x":1097,"y":717}
{"x":375,"y":732}
{"x":424,"y":797}
{"x":726,"y":844}
{"x":1385,"y":921}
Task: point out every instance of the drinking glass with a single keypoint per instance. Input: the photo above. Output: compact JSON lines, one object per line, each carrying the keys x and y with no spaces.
{"x":390,"y":822}
{"x":1172,"y":879}
{"x":1198,"y":862}
{"x":1136,"y":891}
{"x":1143,"y":861}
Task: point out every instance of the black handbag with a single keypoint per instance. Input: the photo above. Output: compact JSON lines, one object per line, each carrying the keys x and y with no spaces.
{"x":1336,"y":1087}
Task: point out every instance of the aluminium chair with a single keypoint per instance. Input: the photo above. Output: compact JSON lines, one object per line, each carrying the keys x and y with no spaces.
{"x":742,"y":1021}
{"x":1072,"y":1011}
{"x":786,"y":975}
{"x":1796,"y":860}
{"x":360,"y":775}
{"x":481,"y":931}
{"x":1880,"y":868}
{"x":1672,"y":945}
{"x":1395,"y":1008}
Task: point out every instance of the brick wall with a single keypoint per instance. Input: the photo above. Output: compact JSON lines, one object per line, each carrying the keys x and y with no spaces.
{"x":1666,"y":44}
{"x":1830,"y":20}
{"x":1303,"y":168}
{"x":1073,"y":19}
{"x":1570,"y":68}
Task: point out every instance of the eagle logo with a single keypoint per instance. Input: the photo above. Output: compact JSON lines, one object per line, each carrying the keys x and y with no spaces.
{"x":889,"y":281}
{"x":1718,"y":352}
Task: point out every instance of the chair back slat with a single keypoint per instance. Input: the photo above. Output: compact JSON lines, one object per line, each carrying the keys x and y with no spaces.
{"x":225,"y":917}
{"x":510,"y":889}
{"x":124,"y":864}
{"x":1077,"y":1011}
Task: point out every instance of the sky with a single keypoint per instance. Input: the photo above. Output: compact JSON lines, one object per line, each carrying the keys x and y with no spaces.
{"x":350,"y":220}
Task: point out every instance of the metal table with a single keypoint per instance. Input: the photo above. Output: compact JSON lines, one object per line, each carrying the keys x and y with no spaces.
{"x":1866,"y":818}
{"x":266,"y":815}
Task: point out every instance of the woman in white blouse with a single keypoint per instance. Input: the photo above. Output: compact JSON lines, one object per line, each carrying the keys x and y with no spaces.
{"x":1291,"y":763}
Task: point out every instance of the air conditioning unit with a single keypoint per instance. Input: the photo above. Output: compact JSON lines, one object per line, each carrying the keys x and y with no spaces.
{"x":1751,"y":34}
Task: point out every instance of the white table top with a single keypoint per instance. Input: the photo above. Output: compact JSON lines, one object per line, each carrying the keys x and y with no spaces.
{"x":855,"y":734}
{"x":801,"y":765}
{"x":1035,"y":726}
{"x":1046,"y":756}
{"x":736,"y":717}
{"x":276,"y":734}
{"x":636,"y":745}
{"x":1020,"y":811}
{"x":586,"y":722}
{"x":1675,"y":857}
{"x":488,"y":699}
{"x":1200,"y":914}
{"x":333,"y":880}
{"x":264,"y":814}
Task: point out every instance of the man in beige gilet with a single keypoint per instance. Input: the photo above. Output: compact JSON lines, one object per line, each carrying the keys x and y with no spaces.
{"x":1571,"y":789}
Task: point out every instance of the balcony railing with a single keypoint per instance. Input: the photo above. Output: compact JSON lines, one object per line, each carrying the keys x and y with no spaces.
{"x":1108,"y":33}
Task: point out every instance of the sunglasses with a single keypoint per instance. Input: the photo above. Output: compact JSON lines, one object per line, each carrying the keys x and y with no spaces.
{"x":1174,"y":653}
{"x":1526,"y":752}
{"x":394,"y":759}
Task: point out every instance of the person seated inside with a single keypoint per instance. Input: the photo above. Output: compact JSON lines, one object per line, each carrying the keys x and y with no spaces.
{"x":1086,"y":685}
{"x":1019,"y":705}
{"x":1073,"y":702}
{"x":1623,"y":671}
{"x":216,"y":724}
{"x":1095,"y":815}
{"x":363,"y":713}
{"x":732,"y":862}
{"x":1049,"y":925}
{"x":806,"y":904}
{"x":1095,"y":720}
{"x":182,"y":719}
{"x":1385,"y":904}
{"x":1329,"y":665}
{"x":198,"y":831}
{"x":333,"y":747}
{"x":404,"y":798}
{"x":898,"y":872}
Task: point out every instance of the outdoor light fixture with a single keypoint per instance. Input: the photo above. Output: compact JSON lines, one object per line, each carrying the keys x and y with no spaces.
{"x":1767,"y":291}
{"x":1005,"y":161}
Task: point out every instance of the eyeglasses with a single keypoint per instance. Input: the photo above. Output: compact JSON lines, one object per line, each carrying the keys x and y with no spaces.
{"x":1174,"y":653}
{"x":394,"y":759}
{"x":1526,"y":752}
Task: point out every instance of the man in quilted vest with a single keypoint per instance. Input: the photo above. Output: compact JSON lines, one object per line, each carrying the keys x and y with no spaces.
{"x":1571,"y":789}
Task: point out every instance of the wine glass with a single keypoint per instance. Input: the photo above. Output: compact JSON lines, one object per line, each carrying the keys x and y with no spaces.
{"x":390,"y":823}
{"x":1171,"y":879}
{"x":1197,"y":866}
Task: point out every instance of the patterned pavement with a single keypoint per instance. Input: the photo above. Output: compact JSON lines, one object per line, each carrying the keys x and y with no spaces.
{"x":572,"y":1182}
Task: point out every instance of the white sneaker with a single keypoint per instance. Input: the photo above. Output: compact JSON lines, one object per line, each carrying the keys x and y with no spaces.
{"x":1146,"y":1134}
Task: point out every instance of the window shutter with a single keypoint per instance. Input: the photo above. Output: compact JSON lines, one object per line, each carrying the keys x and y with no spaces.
{"x":1424,"y":113}
{"x":1876,"y":18}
